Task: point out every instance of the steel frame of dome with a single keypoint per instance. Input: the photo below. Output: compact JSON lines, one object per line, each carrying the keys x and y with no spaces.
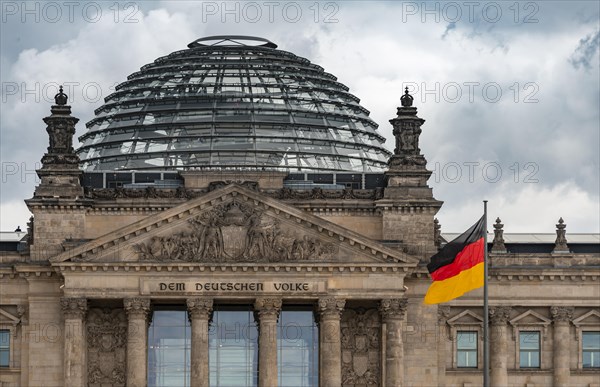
{"x":232,"y":105}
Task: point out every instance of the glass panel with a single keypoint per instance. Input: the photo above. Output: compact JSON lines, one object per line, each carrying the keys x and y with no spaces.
{"x":233,"y":348}
{"x":591,"y":340}
{"x":591,"y":349}
{"x":466,"y":349}
{"x":4,"y":348}
{"x":466,"y":340}
{"x":297,"y":348}
{"x":169,"y":349}
{"x":529,"y":340}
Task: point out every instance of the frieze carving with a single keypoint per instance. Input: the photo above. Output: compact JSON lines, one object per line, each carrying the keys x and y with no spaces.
{"x":137,"y":307}
{"x":145,"y":193}
{"x":393,"y":308}
{"x":187,"y":193}
{"x":73,"y":308}
{"x":107,"y":346}
{"x":213,"y":185}
{"x":268,"y":307}
{"x":562,"y":313}
{"x":234,"y":232}
{"x":319,"y":193}
{"x":499,"y":315}
{"x":360,"y":341}
{"x":199,"y":308}
{"x":331,"y":307}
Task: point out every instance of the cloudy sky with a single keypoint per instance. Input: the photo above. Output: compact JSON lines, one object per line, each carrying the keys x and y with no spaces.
{"x":509,"y":90}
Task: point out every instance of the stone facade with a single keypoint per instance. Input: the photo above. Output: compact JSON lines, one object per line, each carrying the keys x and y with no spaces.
{"x":78,"y":302}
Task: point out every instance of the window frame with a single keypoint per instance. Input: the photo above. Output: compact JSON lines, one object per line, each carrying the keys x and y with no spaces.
{"x":8,"y":347}
{"x":583,"y":331}
{"x":466,"y":320}
{"x":581,"y":325}
{"x":11,"y":329}
{"x":523,"y":323}
{"x":457,"y":349}
{"x":519,"y":349}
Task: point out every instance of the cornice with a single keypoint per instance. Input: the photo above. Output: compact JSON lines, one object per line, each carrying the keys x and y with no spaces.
{"x":574,"y":274}
{"x":129,"y":267}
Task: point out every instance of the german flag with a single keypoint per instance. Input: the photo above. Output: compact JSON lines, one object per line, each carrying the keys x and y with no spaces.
{"x":458,"y":267}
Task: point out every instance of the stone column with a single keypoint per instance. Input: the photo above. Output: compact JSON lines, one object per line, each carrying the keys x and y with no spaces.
{"x":199,"y":310}
{"x":330,"y":344}
{"x":443,"y":338}
{"x":499,"y":317}
{"x":137,"y":310}
{"x":562,"y":339}
{"x":75,"y":351}
{"x":268,"y":312}
{"x":392,"y":312}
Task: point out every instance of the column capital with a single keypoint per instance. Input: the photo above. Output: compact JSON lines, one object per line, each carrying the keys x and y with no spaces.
{"x":562,"y":313}
{"x":443,"y":314}
{"x":268,"y":307}
{"x":199,"y":307}
{"x":393,"y":308}
{"x":74,"y":307}
{"x":331,"y":307}
{"x":499,"y":315}
{"x":137,"y":307}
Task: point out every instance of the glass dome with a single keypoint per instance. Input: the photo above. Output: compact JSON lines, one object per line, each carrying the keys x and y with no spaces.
{"x":232,"y":102}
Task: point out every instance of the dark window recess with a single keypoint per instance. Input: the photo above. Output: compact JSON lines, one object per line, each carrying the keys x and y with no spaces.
{"x":146,"y":177}
{"x":92,"y":179}
{"x":114,"y":180}
{"x":353,"y":180}
{"x":374,"y":180}
{"x":325,"y":178}
{"x":295,"y":177}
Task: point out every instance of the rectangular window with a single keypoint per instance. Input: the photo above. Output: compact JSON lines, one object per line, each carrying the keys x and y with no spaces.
{"x":4,"y":348}
{"x":529,"y":349}
{"x":169,"y":342}
{"x":591,"y":349}
{"x":466,"y":349}
{"x":233,"y":347}
{"x":297,"y":348}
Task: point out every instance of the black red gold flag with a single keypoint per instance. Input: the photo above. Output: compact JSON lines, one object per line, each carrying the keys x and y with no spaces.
{"x":458,"y":267}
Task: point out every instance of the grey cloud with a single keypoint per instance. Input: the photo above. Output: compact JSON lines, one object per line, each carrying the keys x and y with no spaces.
{"x":586,"y":51}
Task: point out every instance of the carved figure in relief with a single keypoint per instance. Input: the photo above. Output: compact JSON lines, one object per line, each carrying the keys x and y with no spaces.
{"x":250,"y":237}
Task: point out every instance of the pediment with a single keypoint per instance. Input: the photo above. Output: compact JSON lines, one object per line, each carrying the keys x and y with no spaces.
{"x":530,"y":317}
{"x":8,"y":318}
{"x":466,"y":317}
{"x":590,"y":318}
{"x":234,"y":225}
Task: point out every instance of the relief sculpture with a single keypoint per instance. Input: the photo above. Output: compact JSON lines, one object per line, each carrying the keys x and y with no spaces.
{"x":234,"y":232}
{"x":360,"y":347}
{"x":106,"y":342}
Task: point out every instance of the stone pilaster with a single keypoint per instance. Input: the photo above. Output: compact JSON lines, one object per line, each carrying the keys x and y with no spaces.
{"x":330,"y":345}
{"x":267,"y":310}
{"x":562,"y":317}
{"x":392,"y":312}
{"x":499,"y":317}
{"x":199,"y":310}
{"x":137,"y":310}
{"x":443,"y":314}
{"x":74,"y":310}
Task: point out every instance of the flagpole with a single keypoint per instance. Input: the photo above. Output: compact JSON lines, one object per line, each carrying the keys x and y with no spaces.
{"x":486,"y":336}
